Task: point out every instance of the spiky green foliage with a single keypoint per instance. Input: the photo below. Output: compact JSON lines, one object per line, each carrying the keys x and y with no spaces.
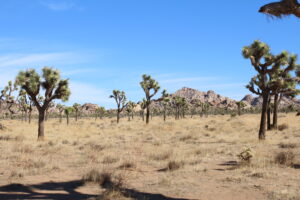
{"x":281,"y":8}
{"x":240,"y":105}
{"x":61,"y":109}
{"x":165,"y":100}
{"x":150,"y":87}
{"x":77,"y":108}
{"x":99,"y":112}
{"x":68,"y":111}
{"x":24,"y":104}
{"x":180,"y":106}
{"x":272,"y":78}
{"x":7,"y":96}
{"x":52,"y":85}
{"x":130,"y":109}
{"x":120,"y":99}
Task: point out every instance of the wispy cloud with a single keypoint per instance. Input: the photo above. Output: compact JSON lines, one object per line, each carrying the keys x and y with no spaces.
{"x":188,"y":79}
{"x":84,"y":93}
{"x":39,"y":59}
{"x":59,"y":6}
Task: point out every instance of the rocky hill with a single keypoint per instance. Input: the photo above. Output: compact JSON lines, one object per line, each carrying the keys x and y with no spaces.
{"x":257,"y":101}
{"x":209,"y":96}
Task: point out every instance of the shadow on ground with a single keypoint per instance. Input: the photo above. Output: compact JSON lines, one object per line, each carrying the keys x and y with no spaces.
{"x":65,"y":191}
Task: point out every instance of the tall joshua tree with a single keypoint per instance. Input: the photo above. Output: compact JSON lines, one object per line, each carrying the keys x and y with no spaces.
{"x":23,"y":104}
{"x":53,"y":86}
{"x":61,"y":109}
{"x":99,"y":112}
{"x":283,"y":83}
{"x":281,"y":8}
{"x":68,"y":111}
{"x":143,"y":107}
{"x":130,"y":109}
{"x":263,"y":62}
{"x":120,"y":99}
{"x":240,"y":105}
{"x":76,"y":107}
{"x":9,"y":99}
{"x":150,"y":87}
{"x":165,"y":99}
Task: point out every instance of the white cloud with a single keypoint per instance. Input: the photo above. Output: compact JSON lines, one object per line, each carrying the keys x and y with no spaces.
{"x":60,"y":5}
{"x":86,"y":93}
{"x":187,"y":80}
{"x":32,"y":60}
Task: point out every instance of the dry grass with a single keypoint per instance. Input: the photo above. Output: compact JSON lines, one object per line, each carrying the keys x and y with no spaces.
{"x":196,"y":153}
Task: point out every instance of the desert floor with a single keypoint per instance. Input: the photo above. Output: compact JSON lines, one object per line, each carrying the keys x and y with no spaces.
{"x":185,"y":159}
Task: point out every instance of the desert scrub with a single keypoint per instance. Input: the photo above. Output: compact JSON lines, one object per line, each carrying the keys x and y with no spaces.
{"x":285,"y":158}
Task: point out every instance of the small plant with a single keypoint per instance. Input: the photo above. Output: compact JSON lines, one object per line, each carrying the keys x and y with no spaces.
{"x":174,"y":165}
{"x":104,"y":179}
{"x":285,"y":158}
{"x":245,"y":156}
{"x":283,"y":127}
{"x":287,"y":145}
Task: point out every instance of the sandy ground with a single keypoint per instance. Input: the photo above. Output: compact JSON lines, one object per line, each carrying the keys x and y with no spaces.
{"x":174,"y":160}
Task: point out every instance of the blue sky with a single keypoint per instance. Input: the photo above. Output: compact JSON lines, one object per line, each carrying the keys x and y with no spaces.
{"x":103,"y":45}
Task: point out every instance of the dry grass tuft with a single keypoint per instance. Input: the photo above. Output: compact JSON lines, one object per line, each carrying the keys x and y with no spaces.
{"x":127,"y":165}
{"x":161,"y":156}
{"x":285,"y":158}
{"x":283,"y":127}
{"x":174,"y":165}
{"x":287,"y":145}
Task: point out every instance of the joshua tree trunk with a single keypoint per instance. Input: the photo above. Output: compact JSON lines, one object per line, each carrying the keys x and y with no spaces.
{"x":269,"y":126}
{"x":275,"y":121}
{"x":26,"y":113}
{"x":165,"y":115}
{"x":60,"y":117}
{"x":239,"y":110}
{"x":76,"y":116}
{"x":41,"y":124}
{"x":262,"y":128}
{"x":67,"y":119}
{"x":143,"y":115}
{"x":118,"y":116}
{"x":29,"y":117}
{"x":147,"y":114}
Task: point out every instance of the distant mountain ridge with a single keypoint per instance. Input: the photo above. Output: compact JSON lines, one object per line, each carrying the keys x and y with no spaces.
{"x":221,"y":102}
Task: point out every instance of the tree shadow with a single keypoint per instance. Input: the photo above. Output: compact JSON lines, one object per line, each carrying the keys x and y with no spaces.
{"x":232,"y":165}
{"x":296,"y":166}
{"x":52,"y":190}
{"x":66,"y":191}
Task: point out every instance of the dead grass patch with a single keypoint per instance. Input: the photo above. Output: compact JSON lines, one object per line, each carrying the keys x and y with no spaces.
{"x":285,"y":158}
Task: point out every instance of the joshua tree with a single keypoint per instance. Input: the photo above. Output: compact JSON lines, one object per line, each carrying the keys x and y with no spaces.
{"x":61,"y":109}
{"x":9,"y":99}
{"x":204,"y":108}
{"x":261,"y":83}
{"x":120,"y":99}
{"x":68,"y":111}
{"x":283,"y":83}
{"x":23,"y":104}
{"x":54,"y":88}
{"x":51,"y":105}
{"x":282,"y":8}
{"x":165,"y":99}
{"x":150,"y":87}
{"x":76,"y":107}
{"x":99,"y":112}
{"x":240,"y":105}
{"x":130,"y":109}
{"x":179,"y":104}
{"x":143,"y":107}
